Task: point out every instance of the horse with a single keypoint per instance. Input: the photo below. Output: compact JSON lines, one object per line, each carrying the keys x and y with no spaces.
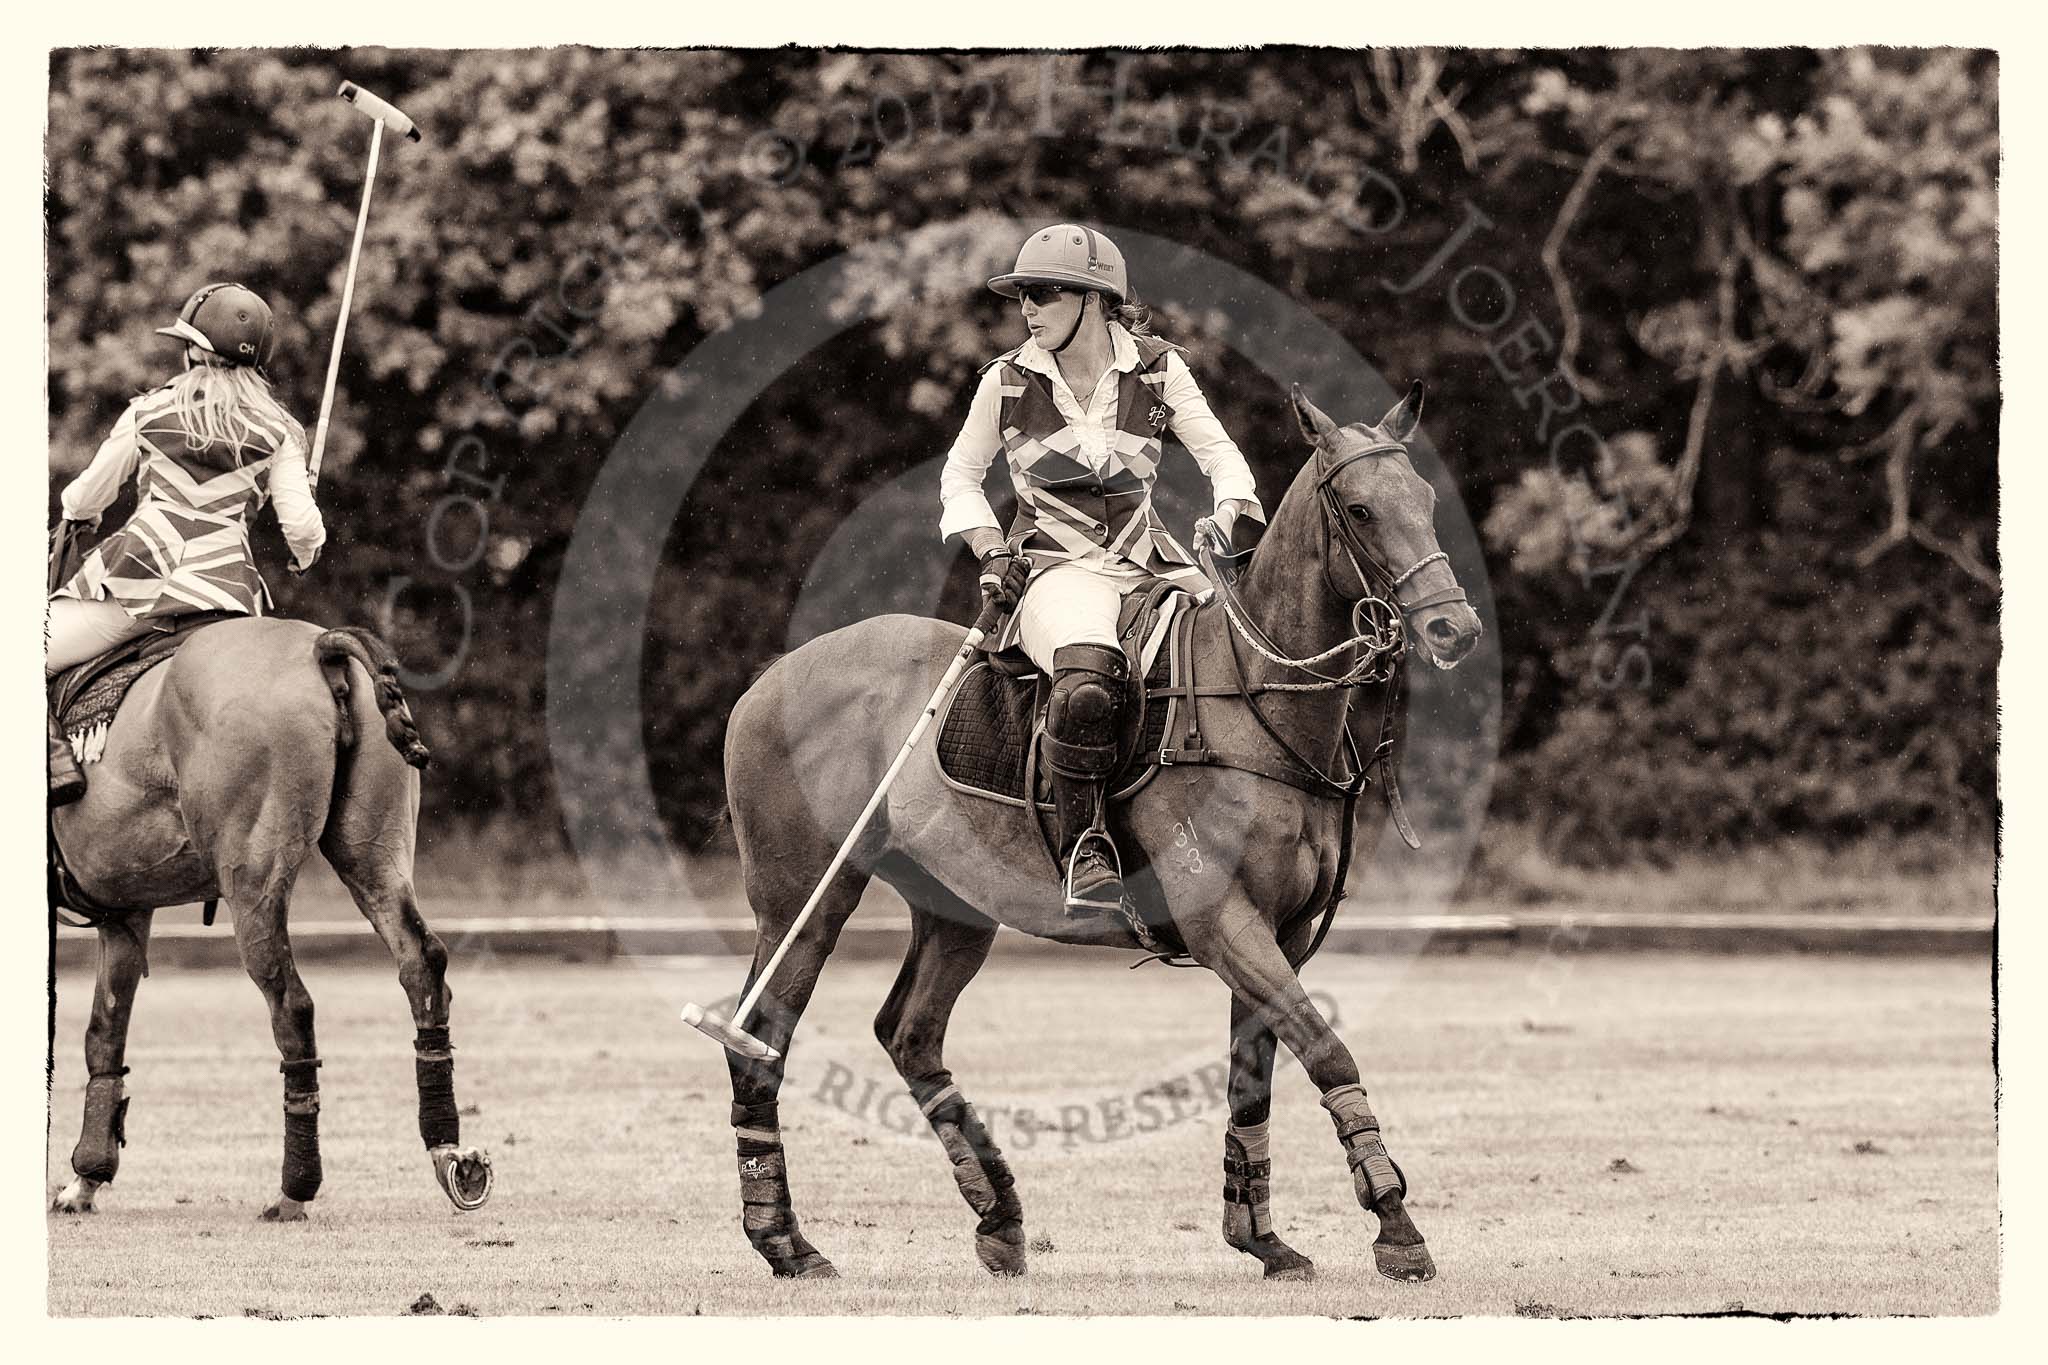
{"x":222,"y":770}
{"x":1276,"y":802}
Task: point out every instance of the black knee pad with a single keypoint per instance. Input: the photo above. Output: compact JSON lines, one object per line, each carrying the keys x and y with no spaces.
{"x":1089,"y":706}
{"x":1081,"y":714}
{"x":1105,"y":661}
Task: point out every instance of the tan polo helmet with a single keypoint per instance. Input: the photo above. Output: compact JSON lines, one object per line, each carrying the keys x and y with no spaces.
{"x":1071,"y":255}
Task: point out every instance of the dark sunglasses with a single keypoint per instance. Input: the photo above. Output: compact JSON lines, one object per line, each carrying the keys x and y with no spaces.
{"x":1040,"y":294}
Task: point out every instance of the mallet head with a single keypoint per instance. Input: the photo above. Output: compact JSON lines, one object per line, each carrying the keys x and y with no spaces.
{"x":727,"y":1034}
{"x":387,"y":114}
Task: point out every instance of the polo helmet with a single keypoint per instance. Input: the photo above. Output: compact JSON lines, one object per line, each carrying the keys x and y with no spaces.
{"x":225,"y":320}
{"x":1069,"y":255}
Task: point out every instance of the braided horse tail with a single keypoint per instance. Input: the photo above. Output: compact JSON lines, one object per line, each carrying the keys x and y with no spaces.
{"x":334,"y":649}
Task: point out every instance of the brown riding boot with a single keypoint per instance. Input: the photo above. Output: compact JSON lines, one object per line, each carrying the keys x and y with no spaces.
{"x":1080,"y":751}
{"x":67,"y":781}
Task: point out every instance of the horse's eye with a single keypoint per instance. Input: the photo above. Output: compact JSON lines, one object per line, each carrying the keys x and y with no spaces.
{"x":1361,"y":513}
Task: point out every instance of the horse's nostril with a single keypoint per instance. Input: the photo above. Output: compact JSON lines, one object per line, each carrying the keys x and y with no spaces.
{"x":1442,"y":631}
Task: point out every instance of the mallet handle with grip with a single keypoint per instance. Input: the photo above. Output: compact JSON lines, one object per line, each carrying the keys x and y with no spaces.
{"x":732,"y":1032}
{"x":382,"y":115}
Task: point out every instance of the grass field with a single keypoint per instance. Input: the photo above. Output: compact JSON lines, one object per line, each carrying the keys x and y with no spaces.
{"x":1590,"y":1134}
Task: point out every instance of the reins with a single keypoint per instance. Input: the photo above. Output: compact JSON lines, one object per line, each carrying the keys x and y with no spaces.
{"x":1378,"y":642}
{"x":1379,"y":638}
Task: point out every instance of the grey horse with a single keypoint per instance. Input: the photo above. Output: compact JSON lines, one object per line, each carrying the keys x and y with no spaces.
{"x":829,"y":716}
{"x":223,"y":770}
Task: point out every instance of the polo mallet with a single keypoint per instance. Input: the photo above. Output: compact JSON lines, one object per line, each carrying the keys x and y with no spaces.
{"x":732,"y":1032}
{"x":382,"y":115}
{"x":64,"y":554}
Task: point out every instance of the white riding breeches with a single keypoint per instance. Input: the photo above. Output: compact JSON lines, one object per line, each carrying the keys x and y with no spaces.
{"x":1069,"y":604}
{"x":78,"y":629}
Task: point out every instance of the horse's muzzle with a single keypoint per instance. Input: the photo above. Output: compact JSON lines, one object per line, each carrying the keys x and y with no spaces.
{"x":1450,"y":633}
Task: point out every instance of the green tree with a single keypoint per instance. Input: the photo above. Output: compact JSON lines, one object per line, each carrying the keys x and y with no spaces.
{"x":1757,"y":267}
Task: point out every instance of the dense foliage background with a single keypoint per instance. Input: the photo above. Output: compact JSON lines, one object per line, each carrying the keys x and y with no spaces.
{"x":1768,"y":603}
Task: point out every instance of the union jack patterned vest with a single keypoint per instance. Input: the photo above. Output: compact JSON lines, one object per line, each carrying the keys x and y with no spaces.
{"x":1068,"y":508}
{"x":186,"y":548}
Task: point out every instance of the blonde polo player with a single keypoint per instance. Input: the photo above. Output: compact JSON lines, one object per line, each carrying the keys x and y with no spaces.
{"x":206,"y":449}
{"x":1079,"y":412}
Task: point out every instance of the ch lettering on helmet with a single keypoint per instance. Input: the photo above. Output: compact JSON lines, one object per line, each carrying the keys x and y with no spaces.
{"x":227,"y":320}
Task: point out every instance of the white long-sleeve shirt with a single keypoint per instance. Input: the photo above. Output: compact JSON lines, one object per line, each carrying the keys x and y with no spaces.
{"x":964,"y":502}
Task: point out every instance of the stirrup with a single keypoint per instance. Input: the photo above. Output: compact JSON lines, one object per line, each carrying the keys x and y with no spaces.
{"x":1079,"y":908}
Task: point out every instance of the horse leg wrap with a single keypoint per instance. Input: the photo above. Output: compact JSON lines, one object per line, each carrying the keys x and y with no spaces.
{"x":765,"y":1209}
{"x":434,"y":1066}
{"x":1247,"y":1185}
{"x":301,"y":1129}
{"x":1372,"y":1170}
{"x":984,"y":1178}
{"x":979,"y":1170}
{"x":98,"y":1153}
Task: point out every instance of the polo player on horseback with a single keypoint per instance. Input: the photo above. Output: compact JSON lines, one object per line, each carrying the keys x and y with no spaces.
{"x":1080,"y":412}
{"x":206,"y":449}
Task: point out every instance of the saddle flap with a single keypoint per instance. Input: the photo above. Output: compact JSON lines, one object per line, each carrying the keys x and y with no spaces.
{"x":994,"y":717}
{"x":79,"y":695}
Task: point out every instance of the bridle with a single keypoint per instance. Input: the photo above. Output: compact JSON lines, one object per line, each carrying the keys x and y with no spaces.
{"x":1378,"y":613}
{"x":1379,"y":617}
{"x":1355,"y":549}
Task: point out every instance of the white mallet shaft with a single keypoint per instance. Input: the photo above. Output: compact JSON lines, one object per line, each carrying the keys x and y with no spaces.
{"x":348,"y":293}
{"x":383,"y":115}
{"x":730,"y":1032}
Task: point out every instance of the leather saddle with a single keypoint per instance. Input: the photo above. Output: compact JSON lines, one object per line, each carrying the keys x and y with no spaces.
{"x":92,"y":692}
{"x":996,"y":714}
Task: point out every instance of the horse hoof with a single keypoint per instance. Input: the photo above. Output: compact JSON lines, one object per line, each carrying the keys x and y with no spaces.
{"x":1410,"y":1264}
{"x":812,"y":1267}
{"x":70,"y":1200}
{"x":1281,"y":1261}
{"x":1001,"y":1253}
{"x":284,"y":1210}
{"x":465,"y":1175}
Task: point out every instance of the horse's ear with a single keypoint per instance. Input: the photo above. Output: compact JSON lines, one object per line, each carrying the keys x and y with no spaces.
{"x":1401,"y":420}
{"x":1315,"y":427}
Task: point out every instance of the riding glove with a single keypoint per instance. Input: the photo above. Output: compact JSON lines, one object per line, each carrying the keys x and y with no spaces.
{"x":1003,"y":575}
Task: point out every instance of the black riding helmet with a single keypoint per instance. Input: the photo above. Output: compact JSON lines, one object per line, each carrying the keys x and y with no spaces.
{"x":229,"y":321}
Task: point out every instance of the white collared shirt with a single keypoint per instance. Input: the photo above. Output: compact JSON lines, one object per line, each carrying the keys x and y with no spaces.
{"x":966,"y":505}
